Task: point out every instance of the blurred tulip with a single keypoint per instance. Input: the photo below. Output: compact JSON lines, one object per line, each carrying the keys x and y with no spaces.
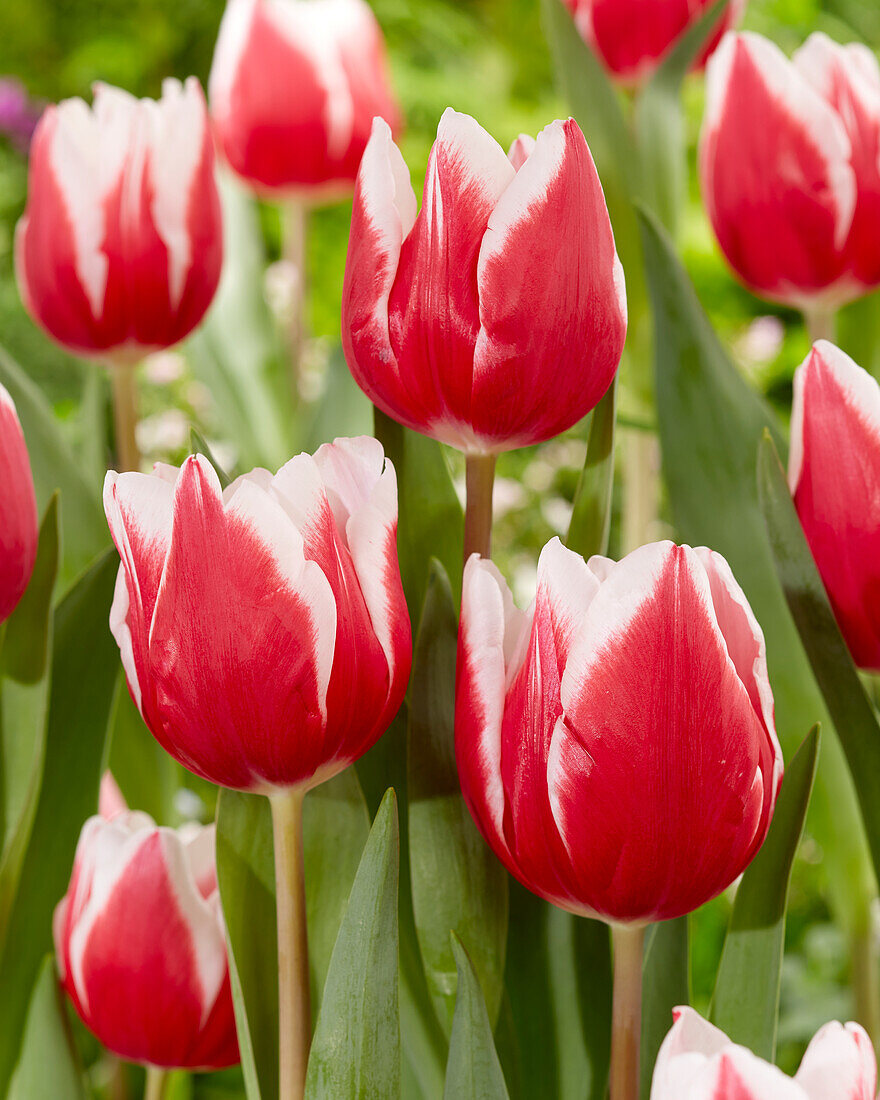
{"x":699,"y":1062}
{"x":120,"y":246}
{"x":496,"y":317}
{"x":263,"y":629}
{"x":631,"y":37}
{"x":18,"y":510}
{"x":111,"y":800}
{"x":294,"y":88}
{"x":834,"y":475}
{"x":141,"y":944}
{"x":616,"y":743}
{"x":790,"y":171}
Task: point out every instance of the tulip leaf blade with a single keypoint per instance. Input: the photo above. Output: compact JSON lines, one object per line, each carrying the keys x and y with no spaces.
{"x":85,"y":665}
{"x":473,"y":1071}
{"x":850,"y":708}
{"x":356,"y":1046}
{"x":48,"y":1065}
{"x":746,"y":1001}
{"x":458,"y":885}
{"x":590,"y":523}
{"x":711,"y":422}
{"x":246,"y":876}
{"x":55,"y":467}
{"x":665,"y":980}
{"x":26,"y":645}
{"x":198,"y":445}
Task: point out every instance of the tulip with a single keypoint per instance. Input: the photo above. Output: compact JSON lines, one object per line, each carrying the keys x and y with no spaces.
{"x":266,"y":641}
{"x":141,"y":945}
{"x":699,"y":1062}
{"x":119,"y":249}
{"x":18,"y":510}
{"x":790,"y":172}
{"x":834,"y":475}
{"x":294,"y":88}
{"x":616,"y":742}
{"x":631,"y":37}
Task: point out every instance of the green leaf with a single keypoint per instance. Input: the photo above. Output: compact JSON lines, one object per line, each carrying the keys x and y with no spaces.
{"x":665,"y":981}
{"x":473,"y":1071}
{"x":711,"y":422}
{"x":26,"y":647}
{"x":356,"y":1048}
{"x":851,"y":710}
{"x":54,"y":466}
{"x":431,"y":521}
{"x":147,"y":776}
{"x":660,"y":124}
{"x":246,"y":876}
{"x":48,"y":1068}
{"x":85,"y":663}
{"x":198,"y":445}
{"x":746,"y":1001}
{"x":343,"y":409}
{"x":457,"y":882}
{"x":591,"y":516}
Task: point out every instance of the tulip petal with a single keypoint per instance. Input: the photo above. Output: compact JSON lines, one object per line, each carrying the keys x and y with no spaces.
{"x":839,"y":1062}
{"x":18,"y":510}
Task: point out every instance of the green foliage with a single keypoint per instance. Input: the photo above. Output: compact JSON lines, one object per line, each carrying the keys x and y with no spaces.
{"x":473,"y":1071}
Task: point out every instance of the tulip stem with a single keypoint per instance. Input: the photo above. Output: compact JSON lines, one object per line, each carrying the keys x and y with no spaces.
{"x":865,"y":965}
{"x":294,"y":1009}
{"x":821,"y":324}
{"x":479,"y":478}
{"x":125,"y":415}
{"x":157,"y":1079}
{"x":295,"y":220}
{"x":626,"y":1024}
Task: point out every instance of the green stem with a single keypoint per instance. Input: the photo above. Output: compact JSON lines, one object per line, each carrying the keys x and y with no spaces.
{"x":865,"y":965}
{"x":125,"y":415}
{"x":480,"y":478}
{"x":821,"y":324}
{"x":157,"y":1079}
{"x":641,"y":488}
{"x":295,"y":219}
{"x":294,"y":1009}
{"x":626,"y":1023}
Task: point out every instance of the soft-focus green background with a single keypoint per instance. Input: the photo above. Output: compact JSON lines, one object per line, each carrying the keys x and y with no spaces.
{"x":488,"y":58}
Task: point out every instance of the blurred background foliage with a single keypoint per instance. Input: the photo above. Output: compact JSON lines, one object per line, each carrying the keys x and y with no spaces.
{"x":487,"y":58}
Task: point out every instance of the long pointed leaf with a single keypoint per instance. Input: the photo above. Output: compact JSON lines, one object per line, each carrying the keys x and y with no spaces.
{"x":49,"y":1067}
{"x":591,"y":515}
{"x":473,"y":1071}
{"x":665,"y":980}
{"x":746,"y":1001}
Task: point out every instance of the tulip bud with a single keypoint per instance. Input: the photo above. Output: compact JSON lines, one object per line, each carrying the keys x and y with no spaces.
{"x":18,"y":510}
{"x":834,"y":475}
{"x":120,"y":246}
{"x":294,"y":88}
{"x":794,"y":197}
{"x":496,"y":317}
{"x":631,"y":37}
{"x":699,"y":1062}
{"x":263,"y":629}
{"x":141,"y":944}
{"x":615,"y":742}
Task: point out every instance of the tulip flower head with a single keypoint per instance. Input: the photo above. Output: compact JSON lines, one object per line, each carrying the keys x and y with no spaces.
{"x":141,"y":944}
{"x":120,"y":247}
{"x":263,"y":628}
{"x":790,"y":168}
{"x":18,"y":510}
{"x":294,"y":88}
{"x":834,"y":476}
{"x":616,"y":742}
{"x":632,"y":37}
{"x":699,"y":1062}
{"x":496,"y":316}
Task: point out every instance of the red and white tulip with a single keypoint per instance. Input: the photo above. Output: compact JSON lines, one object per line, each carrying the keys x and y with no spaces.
{"x":120,"y":247}
{"x":616,"y":742}
{"x":294,"y":88}
{"x":834,"y":475}
{"x":699,"y":1062}
{"x":790,"y":168}
{"x":631,"y":37}
{"x":496,"y":316}
{"x":18,"y":510}
{"x":141,"y":945}
{"x":263,"y":628}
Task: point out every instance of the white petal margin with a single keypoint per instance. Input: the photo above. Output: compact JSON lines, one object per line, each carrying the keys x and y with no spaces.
{"x":121,"y":632}
{"x":493,"y":629}
{"x":839,"y":1063}
{"x":819,"y":123}
{"x":820,"y":60}
{"x":859,"y":391}
{"x":232,"y":40}
{"x":520,"y":151}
